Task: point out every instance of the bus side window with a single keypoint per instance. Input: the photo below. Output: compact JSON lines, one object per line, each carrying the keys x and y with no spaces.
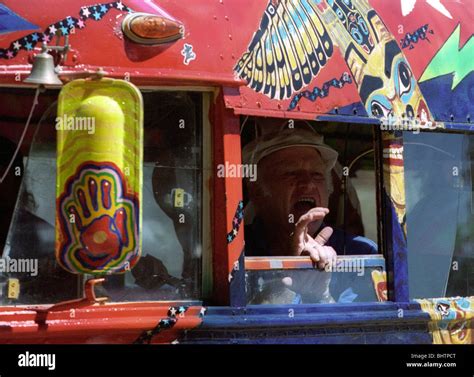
{"x":300,"y":169}
{"x":440,"y":213}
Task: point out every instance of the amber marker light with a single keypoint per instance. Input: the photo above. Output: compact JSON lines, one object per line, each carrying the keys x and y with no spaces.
{"x":150,"y":29}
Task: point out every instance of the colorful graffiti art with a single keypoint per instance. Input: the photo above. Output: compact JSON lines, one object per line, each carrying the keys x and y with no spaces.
{"x":420,"y":34}
{"x":379,"y":279}
{"x":236,"y":221}
{"x":99,"y":178}
{"x":443,"y":62}
{"x":104,"y":232}
{"x":66,"y":26}
{"x":287,"y":51}
{"x":451,"y":319}
{"x":296,"y":39}
{"x":316,"y":93}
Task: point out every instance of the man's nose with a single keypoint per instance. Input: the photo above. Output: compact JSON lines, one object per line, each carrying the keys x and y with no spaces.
{"x":306,"y":179}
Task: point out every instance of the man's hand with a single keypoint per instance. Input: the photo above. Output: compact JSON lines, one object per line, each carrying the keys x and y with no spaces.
{"x":303,"y":244}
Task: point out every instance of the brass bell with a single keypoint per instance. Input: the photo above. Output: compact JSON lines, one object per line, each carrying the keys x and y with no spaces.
{"x":43,"y":72}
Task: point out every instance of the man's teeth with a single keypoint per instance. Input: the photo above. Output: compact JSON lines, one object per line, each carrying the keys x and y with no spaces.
{"x":306,"y":200}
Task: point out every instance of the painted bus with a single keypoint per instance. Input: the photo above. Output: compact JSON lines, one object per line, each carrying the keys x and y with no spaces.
{"x":126,"y":213}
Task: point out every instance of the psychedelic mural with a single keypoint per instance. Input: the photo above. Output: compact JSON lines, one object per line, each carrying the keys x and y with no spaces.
{"x":296,"y":39}
{"x":400,"y":66}
{"x":451,"y":319}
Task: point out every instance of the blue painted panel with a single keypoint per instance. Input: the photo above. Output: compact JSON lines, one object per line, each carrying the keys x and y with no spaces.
{"x":10,"y":21}
{"x":365,"y":323}
{"x":445,"y":102}
{"x":237,"y":284}
{"x":397,"y":261}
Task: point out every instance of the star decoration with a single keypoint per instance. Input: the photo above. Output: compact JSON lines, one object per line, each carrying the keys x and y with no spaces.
{"x":35,"y":37}
{"x":9,"y":54}
{"x":181,"y":309}
{"x":202,"y":312}
{"x":70,"y":21}
{"x":103,"y":9}
{"x":234,"y":232}
{"x":29,"y":46}
{"x":85,"y":12}
{"x":45,"y":38}
{"x":16,"y":45}
{"x":119,"y":5}
{"x":52,"y":29}
{"x":80,"y":24}
{"x":65,"y":30}
{"x":97,"y":16}
{"x":172,"y":311}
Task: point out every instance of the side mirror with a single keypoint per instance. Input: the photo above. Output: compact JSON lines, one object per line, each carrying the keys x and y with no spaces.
{"x":99,"y":176}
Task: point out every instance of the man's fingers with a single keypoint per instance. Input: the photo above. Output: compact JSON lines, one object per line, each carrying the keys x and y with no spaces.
{"x":323,"y":236}
{"x":314,"y":214}
{"x":325,"y":257}
{"x":312,"y":252}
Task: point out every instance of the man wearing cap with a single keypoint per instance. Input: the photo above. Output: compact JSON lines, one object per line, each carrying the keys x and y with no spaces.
{"x":290,"y":199}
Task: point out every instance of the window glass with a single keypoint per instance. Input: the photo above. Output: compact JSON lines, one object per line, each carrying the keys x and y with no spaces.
{"x":300,"y":167}
{"x":440,"y":213}
{"x":354,"y":279}
{"x":170,"y":266}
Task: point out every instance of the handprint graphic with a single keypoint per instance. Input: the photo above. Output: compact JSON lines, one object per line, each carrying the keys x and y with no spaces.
{"x":98,"y":221}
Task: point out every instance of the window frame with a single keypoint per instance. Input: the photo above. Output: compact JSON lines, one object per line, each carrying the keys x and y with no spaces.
{"x":395,"y":254}
{"x":238,"y":290}
{"x":206,"y":282}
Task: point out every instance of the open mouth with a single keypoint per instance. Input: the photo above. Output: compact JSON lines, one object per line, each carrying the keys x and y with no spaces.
{"x":304,"y":204}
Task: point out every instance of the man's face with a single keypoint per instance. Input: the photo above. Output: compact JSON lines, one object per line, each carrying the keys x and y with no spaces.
{"x":291,"y":182}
